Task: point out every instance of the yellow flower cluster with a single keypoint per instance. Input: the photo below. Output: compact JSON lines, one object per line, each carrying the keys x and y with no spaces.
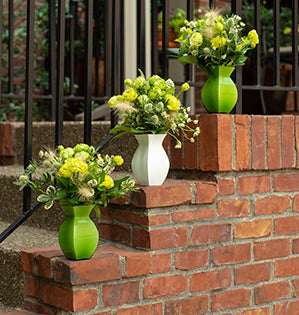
{"x":252,"y":35}
{"x":218,"y":42}
{"x":72,"y":166}
{"x":107,"y":183}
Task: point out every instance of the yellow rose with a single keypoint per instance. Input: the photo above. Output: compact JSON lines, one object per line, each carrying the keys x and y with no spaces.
{"x":252,"y":35}
{"x":65,"y":171}
{"x":218,"y":42}
{"x":108,"y":182}
{"x":196,"y":39}
{"x":173,"y":103}
{"x":113,"y":101}
{"x":72,"y":166}
{"x":129,"y":95}
{"x":118,"y":160}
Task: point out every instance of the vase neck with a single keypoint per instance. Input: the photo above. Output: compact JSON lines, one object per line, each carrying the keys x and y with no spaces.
{"x":223,"y":71}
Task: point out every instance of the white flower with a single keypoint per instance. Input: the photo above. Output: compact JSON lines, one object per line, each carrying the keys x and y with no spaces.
{"x":178,"y":145}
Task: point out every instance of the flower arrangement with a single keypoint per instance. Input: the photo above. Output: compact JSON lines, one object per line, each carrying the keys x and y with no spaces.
{"x":150,"y":106}
{"x":215,"y":40}
{"x":75,"y":176}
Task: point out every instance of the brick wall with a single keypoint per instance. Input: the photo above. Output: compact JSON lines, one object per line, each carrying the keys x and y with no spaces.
{"x":223,"y":241}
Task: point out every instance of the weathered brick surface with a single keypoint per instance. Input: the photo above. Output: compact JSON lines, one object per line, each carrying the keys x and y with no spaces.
{"x":223,"y":242}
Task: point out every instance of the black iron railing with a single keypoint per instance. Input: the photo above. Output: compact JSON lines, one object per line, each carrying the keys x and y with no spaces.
{"x":103,"y":33}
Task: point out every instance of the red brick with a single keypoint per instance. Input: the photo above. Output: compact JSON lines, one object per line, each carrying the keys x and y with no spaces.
{"x":191,"y":259}
{"x":68,"y":300}
{"x":120,"y":293}
{"x":141,"y":238}
{"x":31,"y":288}
{"x":258,"y":142}
{"x":252,"y":273}
{"x":253,"y":229}
{"x":106,"y":213}
{"x":176,"y":155}
{"x":286,"y":308}
{"x":126,"y":216}
{"x":286,"y":267}
{"x":27,"y":261}
{"x":226,"y":186}
{"x":242,"y":142}
{"x":248,"y":185}
{"x":210,"y":280}
{"x":189,"y":306}
{"x":43,"y":261}
{"x":102,"y":267}
{"x":271,"y":249}
{"x":233,"y":208}
{"x":193,"y":215}
{"x":296,"y":286}
{"x":286,"y":182}
{"x":191,"y":149}
{"x":286,"y":226}
{"x":103,"y":313}
{"x":168,"y":238}
{"x":115,"y":232}
{"x":137,"y":264}
{"x":151,"y":309}
{"x":295,"y":246}
{"x":296,"y":203}
{"x":160,"y":287}
{"x":231,"y":254}
{"x":230,"y":300}
{"x":160,"y":263}
{"x":273,"y":142}
{"x":256,"y":311}
{"x":297,"y":139}
{"x":272,"y":291}
{"x":208,"y":234}
{"x":206,"y":192}
{"x":271,"y":205}
{"x":8,"y":135}
{"x":37,"y":308}
{"x":287,"y":141}
{"x":215,"y":142}
{"x":171,"y":193}
{"x":159,"y":219}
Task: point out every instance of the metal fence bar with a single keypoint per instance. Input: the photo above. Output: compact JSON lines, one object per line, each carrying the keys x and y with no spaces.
{"x":165,"y":32}
{"x":141,"y":36}
{"x":60,"y":73}
{"x":154,"y":37}
{"x":72,"y":29}
{"x":237,"y":9}
{"x":10,"y":46}
{"x":276,"y":44}
{"x":295,"y":49}
{"x":28,"y":96}
{"x":88,"y":70}
{"x":52,"y":56}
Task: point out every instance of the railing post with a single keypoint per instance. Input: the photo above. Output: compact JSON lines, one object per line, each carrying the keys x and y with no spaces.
{"x":88,"y":69}
{"x":28,"y":96}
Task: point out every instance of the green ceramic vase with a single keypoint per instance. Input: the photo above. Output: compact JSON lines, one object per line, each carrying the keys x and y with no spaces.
{"x":219,"y":94}
{"x":78,"y":236}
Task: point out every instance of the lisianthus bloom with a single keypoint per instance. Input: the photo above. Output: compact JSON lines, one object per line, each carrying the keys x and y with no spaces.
{"x":196,"y":39}
{"x":129,"y":95}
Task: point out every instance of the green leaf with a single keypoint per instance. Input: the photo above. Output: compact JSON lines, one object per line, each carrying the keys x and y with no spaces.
{"x":97,"y":211}
{"x":62,"y":182}
{"x":43,"y":198}
{"x":49,"y":204}
{"x":187,"y":59}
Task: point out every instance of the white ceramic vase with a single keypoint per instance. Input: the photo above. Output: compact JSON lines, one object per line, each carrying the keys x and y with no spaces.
{"x":150,"y":163}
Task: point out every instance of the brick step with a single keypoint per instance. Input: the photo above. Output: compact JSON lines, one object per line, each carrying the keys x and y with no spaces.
{"x":12,"y":279}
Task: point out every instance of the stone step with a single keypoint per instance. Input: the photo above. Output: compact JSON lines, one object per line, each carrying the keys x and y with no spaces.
{"x":43,"y":135}
{"x":11,"y":279}
{"x":11,"y":205}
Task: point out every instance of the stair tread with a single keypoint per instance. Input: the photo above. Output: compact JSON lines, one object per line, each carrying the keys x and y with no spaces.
{"x":26,"y":237}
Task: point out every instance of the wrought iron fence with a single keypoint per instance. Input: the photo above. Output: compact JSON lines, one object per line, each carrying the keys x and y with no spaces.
{"x":102,"y":30}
